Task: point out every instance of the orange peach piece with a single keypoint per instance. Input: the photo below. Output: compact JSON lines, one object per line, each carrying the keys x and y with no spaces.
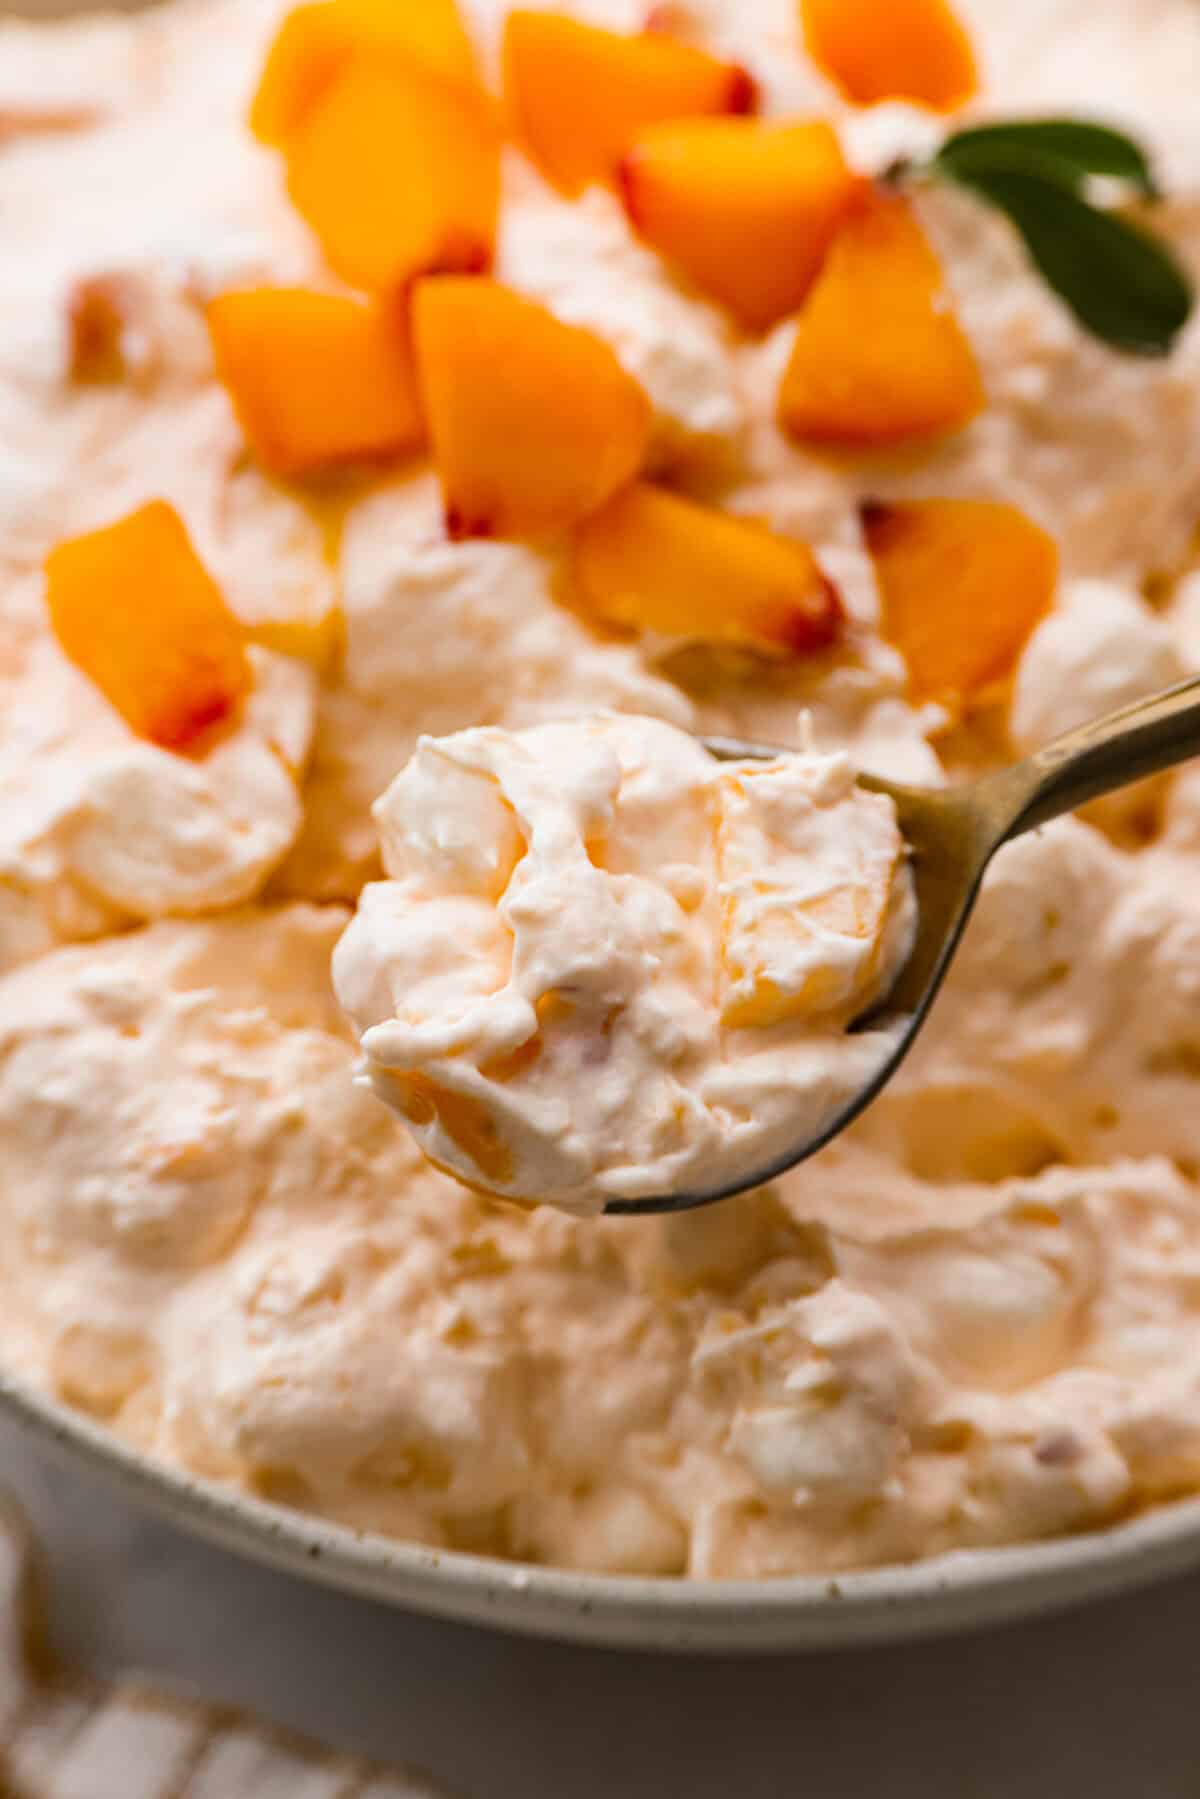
{"x":315,"y":378}
{"x":534,"y":423}
{"x":315,"y":43}
{"x":577,"y":95}
{"x":879,"y":357}
{"x":962,"y":584}
{"x":655,"y":561}
{"x":398,"y":174}
{"x":135,"y":608}
{"x":745,"y":209}
{"x":892,"y":50}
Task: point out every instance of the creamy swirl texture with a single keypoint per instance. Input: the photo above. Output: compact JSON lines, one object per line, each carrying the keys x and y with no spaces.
{"x":973,"y":1320}
{"x":606,"y":965}
{"x":99,"y":827}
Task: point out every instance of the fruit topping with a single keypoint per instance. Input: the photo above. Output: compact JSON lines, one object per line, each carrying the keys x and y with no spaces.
{"x":892,"y":50}
{"x":398,"y":174}
{"x":577,"y":95}
{"x":534,"y":423}
{"x":316,"y":379}
{"x":744,"y":208}
{"x":657,"y":562}
{"x":136,"y":610}
{"x":879,"y":357}
{"x":315,"y":43}
{"x":962,"y":585}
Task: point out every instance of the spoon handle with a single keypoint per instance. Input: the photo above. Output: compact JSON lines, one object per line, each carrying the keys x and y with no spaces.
{"x":1141,"y":739}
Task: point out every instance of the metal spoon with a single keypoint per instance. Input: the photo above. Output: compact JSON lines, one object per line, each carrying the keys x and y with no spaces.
{"x":952,"y":834}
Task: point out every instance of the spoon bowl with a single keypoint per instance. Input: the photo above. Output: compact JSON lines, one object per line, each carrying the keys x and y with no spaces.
{"x":951,"y":835}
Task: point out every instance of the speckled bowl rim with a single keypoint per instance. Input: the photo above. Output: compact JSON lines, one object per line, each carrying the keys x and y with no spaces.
{"x":963,"y":1590}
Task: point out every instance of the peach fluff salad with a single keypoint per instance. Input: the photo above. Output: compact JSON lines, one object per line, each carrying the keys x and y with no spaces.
{"x":419,"y":425}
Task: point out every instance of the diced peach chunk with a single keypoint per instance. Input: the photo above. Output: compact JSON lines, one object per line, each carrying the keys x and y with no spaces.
{"x":315,"y":378}
{"x":781,"y":959}
{"x":962,"y":583}
{"x":892,"y":50}
{"x":135,"y":608}
{"x":745,"y":209}
{"x":657,"y":562}
{"x":879,"y":357}
{"x":398,"y":174}
{"x":315,"y":43}
{"x":534,"y":423}
{"x":577,"y":95}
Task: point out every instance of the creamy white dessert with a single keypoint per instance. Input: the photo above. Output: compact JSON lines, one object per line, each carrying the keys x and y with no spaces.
{"x":99,"y":828}
{"x":972,"y":1321}
{"x":607,"y":966}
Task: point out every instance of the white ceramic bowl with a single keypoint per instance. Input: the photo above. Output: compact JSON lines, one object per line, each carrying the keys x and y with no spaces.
{"x":960,"y":1591}
{"x":952,"y":1592}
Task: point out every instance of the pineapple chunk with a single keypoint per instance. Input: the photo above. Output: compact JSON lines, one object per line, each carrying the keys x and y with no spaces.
{"x":744,"y":208}
{"x":315,"y":43}
{"x":398,"y":174}
{"x":879,"y":357}
{"x":657,"y":562}
{"x":892,"y":50}
{"x":577,"y":95}
{"x":963,"y":583}
{"x":136,"y":610}
{"x":315,"y":379}
{"x":782,"y":827}
{"x":534,"y":423}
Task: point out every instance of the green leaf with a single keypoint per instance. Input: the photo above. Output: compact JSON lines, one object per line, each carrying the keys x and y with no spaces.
{"x":1080,"y":146}
{"x":1123,"y":285}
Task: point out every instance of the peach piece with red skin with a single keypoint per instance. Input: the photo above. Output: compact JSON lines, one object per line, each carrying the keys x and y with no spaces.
{"x":577,"y":95}
{"x":533,"y":422}
{"x":135,"y":609}
{"x":655,"y":561}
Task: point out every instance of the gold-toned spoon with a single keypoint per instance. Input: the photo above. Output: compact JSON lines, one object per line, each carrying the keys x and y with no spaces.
{"x":952,"y":834}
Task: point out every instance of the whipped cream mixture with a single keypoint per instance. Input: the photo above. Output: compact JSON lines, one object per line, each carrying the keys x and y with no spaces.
{"x":607,"y":966}
{"x":99,"y":827}
{"x":973,"y":1320}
